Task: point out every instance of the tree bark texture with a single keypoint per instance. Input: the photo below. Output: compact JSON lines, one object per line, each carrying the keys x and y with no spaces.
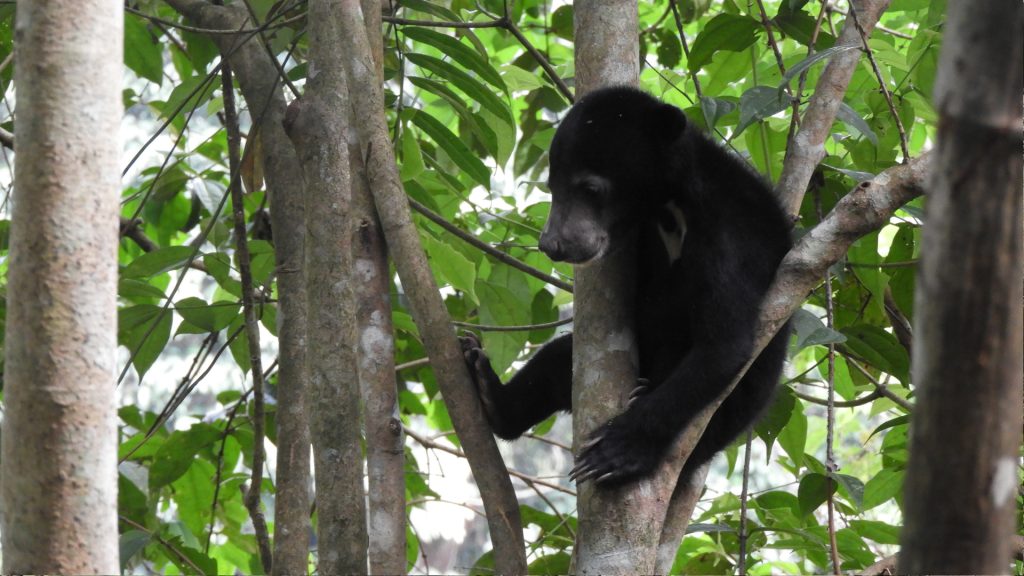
{"x":808,"y":146}
{"x":962,"y":476}
{"x":385,"y":439}
{"x":317,"y":125}
{"x":261,"y":87}
{"x":58,"y":501}
{"x":615,"y":534}
{"x":427,"y":307}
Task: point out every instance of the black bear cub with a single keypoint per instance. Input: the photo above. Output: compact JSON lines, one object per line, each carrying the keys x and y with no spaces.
{"x":710,"y":236}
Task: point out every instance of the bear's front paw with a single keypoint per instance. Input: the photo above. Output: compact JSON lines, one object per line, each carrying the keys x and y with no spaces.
{"x":616,"y":453}
{"x":481,"y":372}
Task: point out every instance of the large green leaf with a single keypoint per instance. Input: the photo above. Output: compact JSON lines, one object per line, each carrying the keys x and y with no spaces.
{"x":142,"y":53}
{"x":178,"y":453}
{"x":729,"y":32}
{"x":157,"y":262}
{"x":453,"y":147}
{"x":469,"y":85}
{"x":459,"y":52}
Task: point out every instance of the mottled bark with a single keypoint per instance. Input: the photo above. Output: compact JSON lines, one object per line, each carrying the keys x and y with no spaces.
{"x":58,"y":501}
{"x":317,"y":126}
{"x":425,"y":301}
{"x":615,"y":534}
{"x":808,"y":146}
{"x":963,"y":473}
{"x":385,"y":440}
{"x":261,"y":87}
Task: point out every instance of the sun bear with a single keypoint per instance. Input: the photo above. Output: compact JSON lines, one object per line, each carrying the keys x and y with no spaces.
{"x":710,"y":236}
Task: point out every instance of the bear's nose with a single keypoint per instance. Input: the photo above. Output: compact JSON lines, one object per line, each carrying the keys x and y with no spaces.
{"x":551,"y":246}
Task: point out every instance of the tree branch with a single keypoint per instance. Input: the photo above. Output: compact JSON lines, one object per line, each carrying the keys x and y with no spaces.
{"x":808,"y":146}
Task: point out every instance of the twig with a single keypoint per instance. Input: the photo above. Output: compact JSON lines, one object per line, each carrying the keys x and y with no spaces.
{"x":525,"y":328}
{"x":867,"y":398}
{"x":440,"y":24}
{"x":794,"y":122}
{"x":881,"y":84}
{"x":497,"y":254}
{"x":547,"y":440}
{"x":741,"y":564}
{"x":428,"y":443}
{"x":830,"y":417}
{"x":882,"y":388}
{"x":771,"y":39}
{"x":686,"y":48}
{"x":548,"y":69}
{"x":252,"y":496}
{"x":214,"y":31}
{"x":181,"y":555}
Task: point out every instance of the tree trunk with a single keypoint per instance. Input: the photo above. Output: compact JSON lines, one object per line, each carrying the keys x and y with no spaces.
{"x":385,"y":439}
{"x":258,"y":79}
{"x":616,"y":534}
{"x":318,"y":131}
{"x":427,"y":307}
{"x":59,"y":480}
{"x":962,"y":476}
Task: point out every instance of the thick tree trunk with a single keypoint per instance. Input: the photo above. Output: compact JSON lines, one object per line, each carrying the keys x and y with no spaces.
{"x":318,"y":131}
{"x":616,"y":534}
{"x":58,"y":502}
{"x":962,"y":477}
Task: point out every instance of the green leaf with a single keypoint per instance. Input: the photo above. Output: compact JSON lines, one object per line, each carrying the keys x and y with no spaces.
{"x":183,"y":93}
{"x":454,"y":147}
{"x":239,"y":346}
{"x":469,"y":118}
{"x":724,"y":32}
{"x":878,"y":531}
{"x":138,"y":289}
{"x":811,"y":60}
{"x":501,"y":306}
{"x":131,"y":543}
{"x":793,"y":438}
{"x":557,"y":563}
{"x":811,"y":331}
{"x":157,"y":262}
{"x":433,"y":9}
{"x":469,"y":85}
{"x":775,"y":418}
{"x":459,"y":52}
{"x":144,"y":330}
{"x":178,"y":452}
{"x":884,"y":486}
{"x":714,"y":108}
{"x":850,"y":117}
{"x":880,"y":348}
{"x":690,"y":10}
{"x":759,"y":103}
{"x":209,"y":317}
{"x":813,"y":491}
{"x":852,"y":487}
{"x":142,"y":52}
{"x":412,"y":157}
{"x":451,"y":265}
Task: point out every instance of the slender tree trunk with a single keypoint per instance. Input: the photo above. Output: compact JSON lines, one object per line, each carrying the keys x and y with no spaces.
{"x":427,"y":307}
{"x":962,"y":476}
{"x":318,"y":131}
{"x":385,"y":439}
{"x":258,"y":79}
{"x":58,"y":502}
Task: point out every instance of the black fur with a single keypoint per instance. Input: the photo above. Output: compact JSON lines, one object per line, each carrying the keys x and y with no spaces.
{"x":621,"y":161}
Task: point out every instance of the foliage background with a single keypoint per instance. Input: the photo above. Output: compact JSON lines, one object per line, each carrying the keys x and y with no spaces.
{"x":472,"y":113}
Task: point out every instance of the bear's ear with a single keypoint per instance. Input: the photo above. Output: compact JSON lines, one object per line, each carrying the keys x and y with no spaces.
{"x":667,"y":122}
